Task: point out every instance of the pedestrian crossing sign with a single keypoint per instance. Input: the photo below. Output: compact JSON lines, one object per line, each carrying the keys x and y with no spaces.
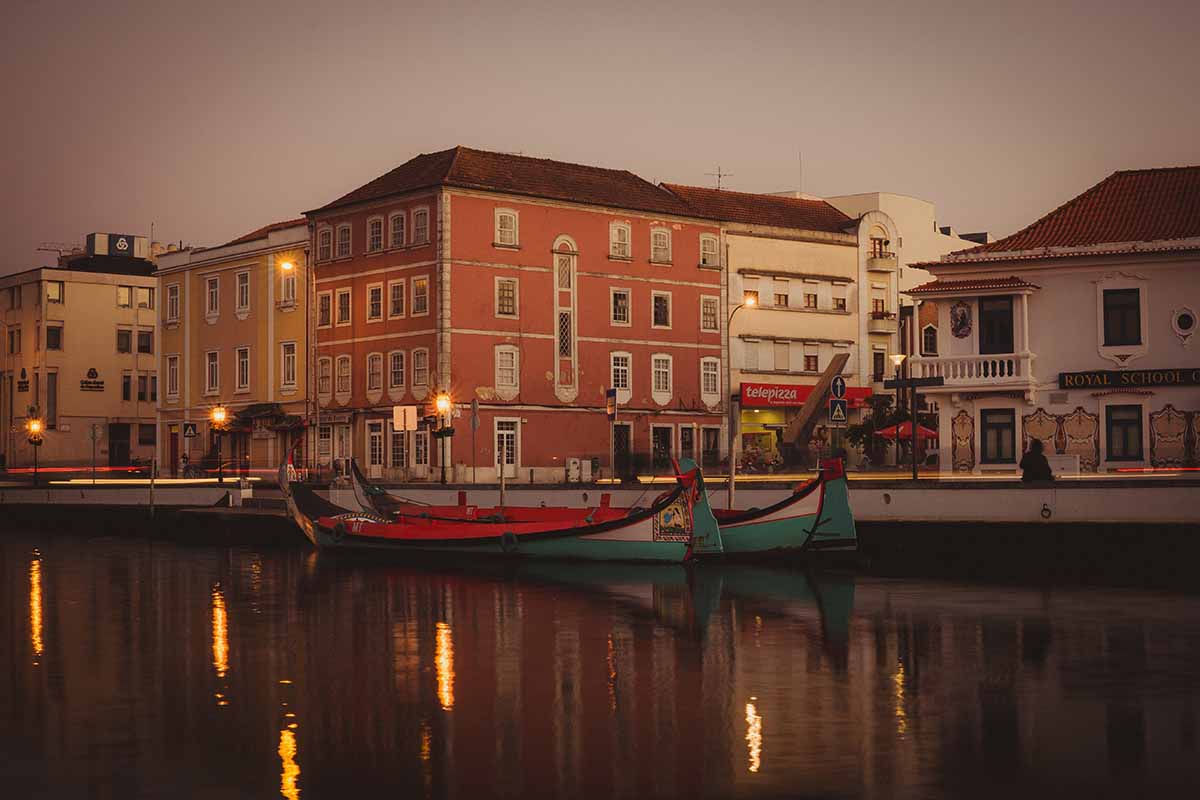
{"x":837,"y":411}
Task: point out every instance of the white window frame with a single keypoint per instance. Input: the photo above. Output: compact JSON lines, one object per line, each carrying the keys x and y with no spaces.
{"x":391,"y":288}
{"x":369,"y":316}
{"x":392,"y":385}
{"x":751,"y":354}
{"x":497,"y":240}
{"x":212,"y":297}
{"x":337,"y":305}
{"x":623,"y":393}
{"x":424,"y":352}
{"x":382,"y":231}
{"x":370,"y":358}
{"x":412,"y":301}
{"x":173,"y":302}
{"x":934,"y":351}
{"x":1121,"y":354}
{"x":328,"y":295}
{"x":284,"y":383}
{"x":212,"y":372}
{"x":418,"y":238}
{"x":710,"y":398}
{"x":670,"y":311}
{"x":120,"y":289}
{"x":656,"y":230}
{"x":325,"y":362}
{"x":173,"y":376}
{"x":391,"y":232}
{"x":287,"y":287}
{"x":341,"y":393}
{"x":662,"y":396}
{"x":237,"y":286}
{"x":337,"y":242}
{"x":716,"y":304}
{"x":516,"y":282}
{"x":613,"y":291}
{"x":238,"y":386}
{"x":325,"y":232}
{"x":507,"y":391}
{"x":715,"y":261}
{"x":420,"y":449}
{"x":615,"y":244}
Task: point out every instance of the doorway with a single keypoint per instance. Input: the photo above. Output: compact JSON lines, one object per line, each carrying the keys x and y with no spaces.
{"x":660,"y":447}
{"x":506,"y":448}
{"x":710,"y":447}
{"x":173,"y":449}
{"x":375,"y":449}
{"x":118,"y":444}
{"x":622,"y":434}
{"x":687,"y":442}
{"x":995,"y":325}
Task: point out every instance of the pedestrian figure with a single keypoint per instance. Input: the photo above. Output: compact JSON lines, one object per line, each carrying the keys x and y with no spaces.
{"x":1034,"y":466}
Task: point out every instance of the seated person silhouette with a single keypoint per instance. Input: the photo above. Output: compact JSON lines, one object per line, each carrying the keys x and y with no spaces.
{"x":1034,"y":466}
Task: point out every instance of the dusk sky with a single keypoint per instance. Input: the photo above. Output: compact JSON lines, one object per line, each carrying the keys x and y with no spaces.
{"x":209,"y":119}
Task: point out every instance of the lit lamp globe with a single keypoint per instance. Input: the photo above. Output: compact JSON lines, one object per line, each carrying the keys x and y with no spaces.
{"x":287,"y":266}
{"x":35,"y":426}
{"x":442,"y":403}
{"x":218,"y":416}
{"x":750,"y":300}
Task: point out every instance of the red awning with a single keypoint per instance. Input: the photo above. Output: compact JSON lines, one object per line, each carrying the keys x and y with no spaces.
{"x":906,"y":432}
{"x":788,"y":395}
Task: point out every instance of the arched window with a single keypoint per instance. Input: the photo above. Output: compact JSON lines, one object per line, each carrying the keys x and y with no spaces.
{"x":929,"y":342}
{"x":618,"y":240}
{"x":396,"y":228}
{"x":506,"y":227}
{"x":374,"y":234}
{"x":709,"y":256}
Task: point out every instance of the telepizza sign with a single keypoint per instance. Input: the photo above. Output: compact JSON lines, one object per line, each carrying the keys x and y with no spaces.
{"x":1128,"y":379}
{"x":782,"y":395}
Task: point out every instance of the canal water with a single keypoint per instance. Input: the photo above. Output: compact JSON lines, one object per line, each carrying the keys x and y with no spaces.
{"x":137,"y":668}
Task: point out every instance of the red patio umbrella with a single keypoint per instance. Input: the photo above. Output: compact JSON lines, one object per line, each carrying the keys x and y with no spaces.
{"x":906,"y":432}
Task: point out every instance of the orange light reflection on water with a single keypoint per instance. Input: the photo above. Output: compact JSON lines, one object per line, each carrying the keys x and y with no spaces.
{"x":444,"y":658}
{"x":35,"y":606}
{"x":220,"y":633}
{"x":754,"y":737}
{"x":290,"y":770}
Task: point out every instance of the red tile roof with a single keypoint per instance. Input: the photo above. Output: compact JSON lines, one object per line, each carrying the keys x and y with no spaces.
{"x":261,"y":233}
{"x":982,"y":285}
{"x":1145,"y":205}
{"x":763,"y":209}
{"x":512,"y":174}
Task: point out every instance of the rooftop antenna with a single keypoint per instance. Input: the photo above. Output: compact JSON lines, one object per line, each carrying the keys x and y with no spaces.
{"x":719,"y":175}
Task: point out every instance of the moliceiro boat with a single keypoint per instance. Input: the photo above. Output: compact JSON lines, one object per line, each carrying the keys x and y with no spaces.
{"x":677,"y":527}
{"x":814,"y":517}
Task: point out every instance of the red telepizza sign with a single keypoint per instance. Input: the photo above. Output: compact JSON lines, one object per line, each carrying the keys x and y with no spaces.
{"x":782,"y":395}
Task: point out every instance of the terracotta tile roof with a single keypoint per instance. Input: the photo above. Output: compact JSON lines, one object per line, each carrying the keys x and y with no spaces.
{"x":763,"y":209}
{"x":1127,"y":207}
{"x":982,"y":285}
{"x":261,"y":233}
{"x":535,"y":177}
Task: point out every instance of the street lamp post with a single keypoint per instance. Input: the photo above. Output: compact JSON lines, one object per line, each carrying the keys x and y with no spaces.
{"x":218,"y":421}
{"x":35,"y":426}
{"x":310,"y":396}
{"x":748,"y":301}
{"x":903,"y":382}
{"x":444,"y":404}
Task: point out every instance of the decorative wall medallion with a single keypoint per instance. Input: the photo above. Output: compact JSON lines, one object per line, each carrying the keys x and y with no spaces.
{"x":1183,"y":322}
{"x":1168,"y":437}
{"x":960,"y":320}
{"x":1043,"y":426}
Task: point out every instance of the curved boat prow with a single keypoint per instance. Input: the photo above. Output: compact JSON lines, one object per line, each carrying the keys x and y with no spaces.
{"x":834,"y":527}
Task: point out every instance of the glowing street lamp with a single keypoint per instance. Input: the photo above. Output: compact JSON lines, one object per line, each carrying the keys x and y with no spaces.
{"x":34,"y":427}
{"x":287,"y":266}
{"x":443,"y":404}
{"x":218,"y":417}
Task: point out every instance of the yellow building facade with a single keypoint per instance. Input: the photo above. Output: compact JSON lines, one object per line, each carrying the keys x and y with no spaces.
{"x":80,"y":352}
{"x":235,"y":329}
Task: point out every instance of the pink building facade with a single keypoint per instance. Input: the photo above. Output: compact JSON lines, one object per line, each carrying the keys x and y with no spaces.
{"x":531,"y":287}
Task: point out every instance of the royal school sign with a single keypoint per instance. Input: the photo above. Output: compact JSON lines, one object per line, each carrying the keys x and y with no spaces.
{"x":1129,"y":379}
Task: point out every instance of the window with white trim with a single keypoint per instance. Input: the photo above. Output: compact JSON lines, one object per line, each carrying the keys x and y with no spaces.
{"x":212,"y":305}
{"x":929,"y":340}
{"x":375,"y":302}
{"x":242,"y":280}
{"x":324,"y":244}
{"x":324,"y":375}
{"x":173,"y":303}
{"x":750,"y":353}
{"x":622,"y":372}
{"x":396,"y":229}
{"x":620,"y":312}
{"x":243,"y":369}
{"x":375,"y":372}
{"x":619,"y":234}
{"x":324,"y":309}
{"x":375,"y":234}
{"x":506,"y":297}
{"x":396,"y":369}
{"x":506,"y":227}
{"x":661,"y":309}
{"x":399,"y":449}
{"x":396,"y":299}
{"x":344,"y":369}
{"x":507,"y":367}
{"x":343,"y":241}
{"x":172,"y":376}
{"x":324,"y":439}
{"x":710,"y":378}
{"x":421,"y":226}
{"x":343,"y":306}
{"x":660,"y":246}
{"x":660,"y":372}
{"x":420,"y":366}
{"x":287,"y":287}
{"x":709,"y":254}
{"x":212,"y":372}
{"x":421,"y":448}
{"x":420,"y":296}
{"x":287,"y":372}
{"x":710,"y":314}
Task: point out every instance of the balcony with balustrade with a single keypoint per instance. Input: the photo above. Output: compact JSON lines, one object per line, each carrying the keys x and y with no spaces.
{"x":999,"y":371}
{"x":882,"y":322}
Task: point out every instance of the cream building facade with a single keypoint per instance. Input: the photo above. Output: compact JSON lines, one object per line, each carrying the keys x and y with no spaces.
{"x":80,"y":348}
{"x":235,"y":323}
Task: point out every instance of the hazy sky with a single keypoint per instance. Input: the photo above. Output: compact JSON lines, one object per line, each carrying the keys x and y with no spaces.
{"x":209,"y":119}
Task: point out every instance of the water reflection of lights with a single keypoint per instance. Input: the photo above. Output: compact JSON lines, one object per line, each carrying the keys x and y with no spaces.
{"x":220,"y":632}
{"x":612,"y":674}
{"x":290,"y":770}
{"x":444,"y":658}
{"x":754,"y":736}
{"x":35,"y":606}
{"x":901,"y":714}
